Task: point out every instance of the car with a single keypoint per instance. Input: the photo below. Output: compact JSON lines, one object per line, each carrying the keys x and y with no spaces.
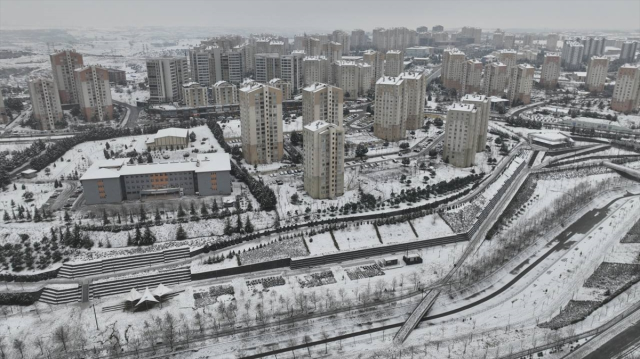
{"x":279,"y":182}
{"x":394,"y":161}
{"x":416,"y":150}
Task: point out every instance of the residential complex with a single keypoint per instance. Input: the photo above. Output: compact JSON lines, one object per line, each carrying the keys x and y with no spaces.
{"x":375,"y":59}
{"x":291,"y":69}
{"x":315,"y":69}
{"x":194,"y":95}
{"x":284,"y":86}
{"x":572,"y":52}
{"x":460,"y":135}
{"x":496,"y":76}
{"x":471,"y":77}
{"x":261,"y":123}
{"x":352,"y":77}
{"x":390,"y":117}
{"x":323,"y":159}
{"x":393,"y":63}
{"x":206,"y":64}
{"x":166,"y":77}
{"x":597,"y":73}
{"x":453,"y":63}
{"x":415,"y":88}
{"x":550,"y":70}
{"x":398,"y":38}
{"x":113,"y":181}
{"x":509,"y":58}
{"x":322,"y":102}
{"x":63,"y":65}
{"x":626,"y":93}
{"x":593,"y":46}
{"x":483,"y":110}
{"x":520,"y":84}
{"x":224,"y":93}
{"x":45,"y":102}
{"x":628,"y":51}
{"x":94,"y":93}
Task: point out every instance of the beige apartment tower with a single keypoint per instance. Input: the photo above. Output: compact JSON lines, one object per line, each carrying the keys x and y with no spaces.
{"x":626,"y":93}
{"x":225,"y":93}
{"x":261,"y":123}
{"x":63,"y":65}
{"x":415,"y":88}
{"x":550,"y":70}
{"x":390,"y":116}
{"x":45,"y":102}
{"x":453,"y":63}
{"x":323,"y":160}
{"x":471,"y":77}
{"x":552,"y":42}
{"x":483,"y":110}
{"x":496,"y":76}
{"x":597,"y":73}
{"x":166,"y":76}
{"x":94,"y":93}
{"x":322,"y":102}
{"x":459,"y":135}
{"x":194,"y":95}
{"x":393,"y":63}
{"x":376,"y":60}
{"x":315,"y":69}
{"x":520,"y":84}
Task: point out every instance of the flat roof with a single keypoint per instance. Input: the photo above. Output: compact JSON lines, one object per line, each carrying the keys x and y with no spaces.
{"x":473,"y":97}
{"x":172,"y":132}
{"x":462,"y":107}
{"x":317,"y":125}
{"x":550,"y":137}
{"x":388,"y":80}
{"x":29,"y":171}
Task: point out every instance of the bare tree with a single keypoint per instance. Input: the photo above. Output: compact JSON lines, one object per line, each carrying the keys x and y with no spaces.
{"x":18,"y":345}
{"x":415,"y":279}
{"x":169,"y":329}
{"x":187,"y":332}
{"x":325,"y":336}
{"x":292,"y":343}
{"x":136,"y":344}
{"x":40,"y":343}
{"x":61,"y":335}
{"x":149,"y":335}
{"x":314,"y":299}
{"x":199,"y":322}
{"x":3,"y":347}
{"x":380,"y":284}
{"x":342,"y":293}
{"x":394,"y":284}
{"x":307,"y":339}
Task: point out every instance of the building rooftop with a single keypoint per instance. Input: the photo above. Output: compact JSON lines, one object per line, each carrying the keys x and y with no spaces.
{"x":190,"y":84}
{"x":314,"y":58}
{"x":318,"y":125}
{"x":388,"y":80}
{"x":248,"y":87}
{"x":550,"y":137}
{"x":462,"y":107}
{"x":173,"y":132}
{"x":276,"y":81}
{"x":474,"y":97}
{"x":411,"y":75}
{"x":221,"y":83}
{"x":206,"y":162}
{"x":395,"y":52}
{"x":316,"y":86}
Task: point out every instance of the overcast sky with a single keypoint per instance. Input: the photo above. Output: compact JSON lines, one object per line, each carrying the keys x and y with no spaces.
{"x":310,"y":15}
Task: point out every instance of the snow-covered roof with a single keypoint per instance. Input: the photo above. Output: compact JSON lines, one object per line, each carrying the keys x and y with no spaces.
{"x":29,"y":171}
{"x":133,"y":295}
{"x":316,"y":86}
{"x":189,"y":84}
{"x":250,"y":86}
{"x":597,"y":121}
{"x":411,"y":75}
{"x":550,"y":137}
{"x":222,"y":83}
{"x":206,"y":162}
{"x":388,"y":80}
{"x":161,"y":290}
{"x":474,"y":97}
{"x":318,"y":125}
{"x":462,"y":107}
{"x":172,"y":132}
{"x":147,"y":297}
{"x":277,"y":81}
{"x":395,"y":52}
{"x":314,"y":58}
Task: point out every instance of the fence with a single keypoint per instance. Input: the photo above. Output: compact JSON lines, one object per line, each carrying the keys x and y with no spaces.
{"x":123,"y":285}
{"x":60,"y":296}
{"x":280,"y":263}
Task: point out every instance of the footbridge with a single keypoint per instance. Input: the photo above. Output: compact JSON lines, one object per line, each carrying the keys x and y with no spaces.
{"x":626,"y":170}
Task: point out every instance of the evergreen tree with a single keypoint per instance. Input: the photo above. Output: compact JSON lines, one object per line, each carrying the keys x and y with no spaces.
{"x":76,"y":241}
{"x":67,"y":218}
{"x":181,"y":234}
{"x":214,"y":206}
{"x":6,"y":216}
{"x":67,"y":237}
{"x":105,"y":219}
{"x":13,"y":213}
{"x":248,"y":226}
{"x":180,"y":211}
{"x":54,"y":236}
{"x":143,"y":214}
{"x":130,"y":217}
{"x":148,"y":238}
{"x":249,"y":206}
{"x":129,"y":239}
{"x":137,"y":239}
{"x":36,"y":215}
{"x":157,"y":218}
{"x":203,"y":210}
{"x":227,"y":227}
{"x":119,"y":221}
{"x":192,"y":209}
{"x":13,"y":204}
{"x":20,"y":212}
{"x":239,"y":224}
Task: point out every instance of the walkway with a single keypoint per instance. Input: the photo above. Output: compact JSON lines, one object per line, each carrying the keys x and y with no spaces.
{"x":630,"y":171}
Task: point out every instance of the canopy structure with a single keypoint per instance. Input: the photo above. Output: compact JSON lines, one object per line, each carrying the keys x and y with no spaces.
{"x":147,"y":297}
{"x":133,"y":295}
{"x":161,"y":291}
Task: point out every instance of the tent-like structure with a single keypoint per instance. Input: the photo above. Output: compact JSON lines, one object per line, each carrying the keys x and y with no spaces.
{"x":133,"y":295}
{"x":147,"y":298}
{"x":161,"y":291}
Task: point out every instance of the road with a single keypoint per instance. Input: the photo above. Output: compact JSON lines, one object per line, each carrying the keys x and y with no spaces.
{"x":134,"y":113}
{"x":619,"y":344}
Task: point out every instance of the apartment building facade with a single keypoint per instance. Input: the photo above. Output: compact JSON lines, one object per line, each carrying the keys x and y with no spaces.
{"x":63,"y":65}
{"x":323,"y":160}
{"x":626,"y":93}
{"x":261,"y":123}
{"x":390,"y":117}
{"x":225,"y":93}
{"x":520,"y":84}
{"x":550,"y":70}
{"x":94,"y":93}
{"x":597,"y":73}
{"x":194,"y":95}
{"x":471,"y":77}
{"x":459,"y":135}
{"x":453,"y":63}
{"x":415,"y":88}
{"x":483,"y":111}
{"x":393,"y":63}
{"x":45,"y":102}
{"x":496,"y":76}
{"x":166,"y":77}
{"x":322,"y":102}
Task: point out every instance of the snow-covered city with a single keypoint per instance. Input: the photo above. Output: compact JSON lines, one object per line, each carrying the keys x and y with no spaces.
{"x":232,"y":179}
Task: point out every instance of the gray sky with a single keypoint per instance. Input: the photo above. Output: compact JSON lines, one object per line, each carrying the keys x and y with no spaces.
{"x":311,"y":15}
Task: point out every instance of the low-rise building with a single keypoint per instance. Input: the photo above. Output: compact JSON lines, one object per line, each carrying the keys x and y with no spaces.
{"x":113,"y":181}
{"x":194,"y":95}
{"x":169,"y":139}
{"x":225,"y":93}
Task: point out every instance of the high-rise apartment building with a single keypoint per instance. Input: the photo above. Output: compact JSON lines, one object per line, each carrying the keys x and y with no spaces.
{"x":626,"y":93}
{"x":94,"y":93}
{"x":483,"y":110}
{"x":353,"y":78}
{"x":496,"y":76}
{"x":415,"y":88}
{"x":393,"y":63}
{"x":343,"y":38}
{"x":550,"y":70}
{"x":376,"y":60}
{"x":520,"y":84}
{"x":509,"y":58}
{"x":474,"y":33}
{"x":552,"y":42}
{"x":284,"y":86}
{"x":63,"y":65}
{"x":4,"y":116}
{"x":527,"y":40}
{"x":628,"y":51}
{"x":471,"y":77}
{"x":437,"y":28}
{"x":593,"y":46}
{"x":224,"y":93}
{"x":572,"y":55}
{"x":166,"y":76}
{"x":232,"y":67}
{"x":390,"y":117}
{"x":597,"y":73}
{"x":194,"y":95}
{"x":267,"y":67}
{"x":261,"y":123}
{"x":323,"y":160}
{"x":459,"y":135}
{"x":45,"y":102}
{"x":509,"y":41}
{"x":453,"y":62}
{"x":397,"y":38}
{"x":498,"y":39}
{"x":291,"y":69}
{"x":206,"y":64}
{"x":315,"y":69}
{"x":358,"y":39}
{"x":322,"y":102}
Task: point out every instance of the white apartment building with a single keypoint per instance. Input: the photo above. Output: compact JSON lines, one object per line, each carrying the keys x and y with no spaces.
{"x":572,"y":52}
{"x":453,"y":62}
{"x":398,"y":38}
{"x":315,"y":69}
{"x":415,"y":88}
{"x":483,"y":108}
{"x":628,"y":51}
{"x":376,"y":60}
{"x":626,"y":93}
{"x":45,"y":102}
{"x":509,"y":41}
{"x":474,"y":33}
{"x":206,"y":64}
{"x":322,"y":102}
{"x":194,"y":95}
{"x":552,"y":42}
{"x":291,"y":69}
{"x":393,"y":63}
{"x":284,"y":86}
{"x":63,"y":65}
{"x":509,"y":58}
{"x":597,"y":73}
{"x":352,"y":77}
{"x":276,"y":47}
{"x":323,"y":160}
{"x":166,"y":76}
{"x":471,"y":77}
{"x":343,"y":38}
{"x":390,"y":116}
{"x":527,"y":40}
{"x":233,"y":67}
{"x":498,"y":39}
{"x":593,"y":46}
{"x":496,"y":77}
{"x":358,"y":39}
{"x":94,"y":93}
{"x":459,"y":135}
{"x":267,"y":67}
{"x":550,"y":70}
{"x":520,"y":84}
{"x":224,"y":93}
{"x":261,"y":123}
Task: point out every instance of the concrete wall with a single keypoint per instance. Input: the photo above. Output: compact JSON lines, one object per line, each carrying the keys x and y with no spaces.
{"x":113,"y":190}
{"x":222,"y":183}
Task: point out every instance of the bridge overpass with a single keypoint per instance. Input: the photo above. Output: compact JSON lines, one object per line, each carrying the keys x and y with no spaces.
{"x":626,"y":170}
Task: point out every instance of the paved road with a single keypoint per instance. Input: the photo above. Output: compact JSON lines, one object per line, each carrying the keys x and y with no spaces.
{"x":619,"y":344}
{"x":134,"y":113}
